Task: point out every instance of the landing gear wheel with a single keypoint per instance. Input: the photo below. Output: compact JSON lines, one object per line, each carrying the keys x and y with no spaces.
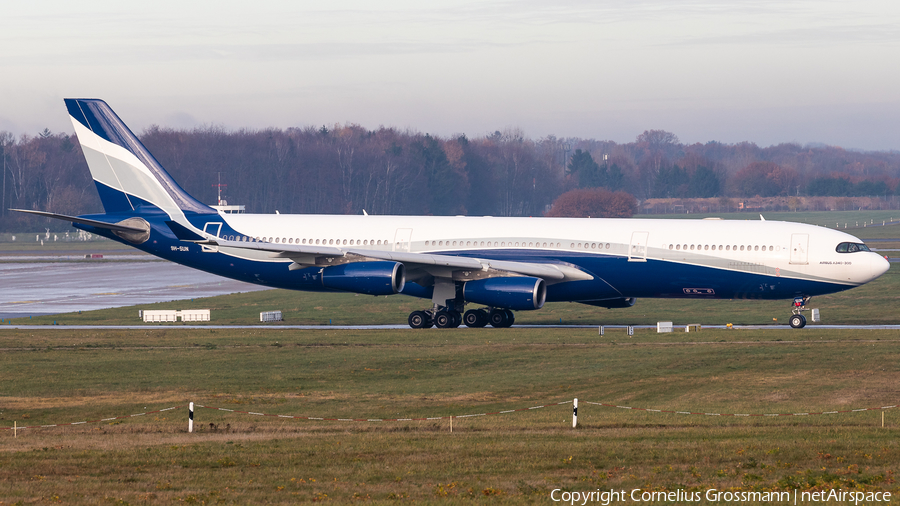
{"x":457,"y":318}
{"x":798,"y":321}
{"x":443,"y":320}
{"x":511,"y":317}
{"x":447,"y":319}
{"x":420,"y":320}
{"x":475,"y":318}
{"x":501,"y":318}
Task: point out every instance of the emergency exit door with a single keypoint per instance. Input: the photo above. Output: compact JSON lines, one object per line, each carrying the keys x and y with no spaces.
{"x":799,"y":249}
{"x":402,"y":238}
{"x":638,"y":250}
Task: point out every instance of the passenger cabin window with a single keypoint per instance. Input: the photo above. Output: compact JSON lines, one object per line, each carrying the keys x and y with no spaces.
{"x":851,"y":247}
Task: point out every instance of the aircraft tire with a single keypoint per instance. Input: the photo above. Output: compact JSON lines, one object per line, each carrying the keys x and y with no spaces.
{"x":457,"y":318}
{"x":511,"y":318}
{"x":798,"y":321}
{"x":446,"y":320}
{"x":419,"y":320}
{"x":475,"y":318}
{"x":499,"y":318}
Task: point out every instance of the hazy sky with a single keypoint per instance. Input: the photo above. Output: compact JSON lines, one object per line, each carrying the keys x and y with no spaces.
{"x":756,"y":70}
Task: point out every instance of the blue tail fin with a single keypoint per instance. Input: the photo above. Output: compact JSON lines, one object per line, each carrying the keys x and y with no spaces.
{"x":126,"y":174}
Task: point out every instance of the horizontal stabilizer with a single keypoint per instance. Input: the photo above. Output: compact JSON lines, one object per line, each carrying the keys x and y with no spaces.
{"x":84,"y":221}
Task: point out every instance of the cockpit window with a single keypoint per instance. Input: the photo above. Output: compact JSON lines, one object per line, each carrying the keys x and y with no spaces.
{"x":851,"y":247}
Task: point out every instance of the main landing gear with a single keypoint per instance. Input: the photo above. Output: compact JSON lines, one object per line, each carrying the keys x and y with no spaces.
{"x":797,"y":320}
{"x":449,"y":318}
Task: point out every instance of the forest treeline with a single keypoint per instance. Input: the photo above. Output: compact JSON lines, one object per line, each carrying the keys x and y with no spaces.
{"x":348,"y":169}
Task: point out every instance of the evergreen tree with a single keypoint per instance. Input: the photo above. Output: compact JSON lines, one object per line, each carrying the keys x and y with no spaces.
{"x":829,"y":187}
{"x":671,"y":182}
{"x":704,"y":183}
{"x":589,"y":174}
{"x":615,"y":178}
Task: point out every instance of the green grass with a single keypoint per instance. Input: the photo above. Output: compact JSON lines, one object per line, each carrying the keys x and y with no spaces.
{"x":59,"y":375}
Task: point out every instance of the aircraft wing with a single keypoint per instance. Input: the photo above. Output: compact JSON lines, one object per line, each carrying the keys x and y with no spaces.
{"x":458,"y":268}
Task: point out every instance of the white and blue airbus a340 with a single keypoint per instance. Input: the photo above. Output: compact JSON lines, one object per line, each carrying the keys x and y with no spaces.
{"x":504,"y":264}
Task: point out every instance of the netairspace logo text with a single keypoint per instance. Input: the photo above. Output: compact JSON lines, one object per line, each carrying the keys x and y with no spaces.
{"x":607,"y":497}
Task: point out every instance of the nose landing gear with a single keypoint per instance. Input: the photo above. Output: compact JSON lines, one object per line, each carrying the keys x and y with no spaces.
{"x":797,"y":320}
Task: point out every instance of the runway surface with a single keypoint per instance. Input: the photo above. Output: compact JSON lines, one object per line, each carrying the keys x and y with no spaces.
{"x":48,"y":285}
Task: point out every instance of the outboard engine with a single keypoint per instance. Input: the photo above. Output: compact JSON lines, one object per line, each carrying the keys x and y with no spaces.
{"x":370,"y":278}
{"x":521,"y":293}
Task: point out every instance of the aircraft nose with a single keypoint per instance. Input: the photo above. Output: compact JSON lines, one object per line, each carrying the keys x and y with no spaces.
{"x":878,"y":265}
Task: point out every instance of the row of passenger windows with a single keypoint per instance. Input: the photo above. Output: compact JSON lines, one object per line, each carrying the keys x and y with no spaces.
{"x":515,"y":244}
{"x":842,"y":248}
{"x":374,"y":242}
{"x":291,"y":240}
{"x":489,"y":244}
{"x":335,"y":242}
{"x":707,"y":247}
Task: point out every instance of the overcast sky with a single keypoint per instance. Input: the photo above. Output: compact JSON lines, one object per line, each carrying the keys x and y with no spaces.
{"x":762,"y":71}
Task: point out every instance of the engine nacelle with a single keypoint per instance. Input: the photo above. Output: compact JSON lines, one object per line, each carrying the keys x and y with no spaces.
{"x":610,"y":303}
{"x":508,"y":293}
{"x":370,"y":278}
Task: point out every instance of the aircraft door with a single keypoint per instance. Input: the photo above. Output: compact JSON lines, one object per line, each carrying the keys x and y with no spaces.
{"x":402,"y":238}
{"x":799,"y":249}
{"x":638,"y":250}
{"x":212,"y":228}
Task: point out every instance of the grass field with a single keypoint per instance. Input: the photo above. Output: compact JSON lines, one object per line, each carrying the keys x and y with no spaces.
{"x":56,"y":375}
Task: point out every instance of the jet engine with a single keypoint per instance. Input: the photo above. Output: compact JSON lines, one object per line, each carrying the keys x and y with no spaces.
{"x":370,"y":278}
{"x":520,"y":293}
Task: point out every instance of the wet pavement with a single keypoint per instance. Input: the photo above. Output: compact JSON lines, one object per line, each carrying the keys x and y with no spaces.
{"x":31,"y":286}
